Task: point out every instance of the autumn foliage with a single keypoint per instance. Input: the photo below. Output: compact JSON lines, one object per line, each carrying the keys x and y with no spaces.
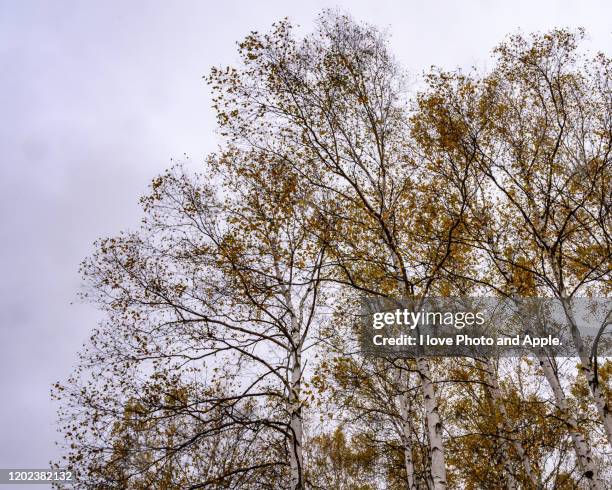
{"x":228,"y":357}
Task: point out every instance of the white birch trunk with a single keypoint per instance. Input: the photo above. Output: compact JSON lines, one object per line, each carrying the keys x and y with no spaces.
{"x":583,"y":452}
{"x":497,"y":397}
{"x":296,"y":459}
{"x":294,"y":404}
{"x":432,"y":415}
{"x":406,"y":437}
{"x":587,"y":366}
{"x":434,"y":426}
{"x":589,"y":372}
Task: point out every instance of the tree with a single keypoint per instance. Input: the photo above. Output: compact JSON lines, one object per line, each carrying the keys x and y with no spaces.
{"x":205,"y":283}
{"x":538,"y":128}
{"x":333,"y":108}
{"x":230,"y":312}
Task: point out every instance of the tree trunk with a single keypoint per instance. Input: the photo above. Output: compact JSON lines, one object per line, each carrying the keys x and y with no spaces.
{"x":296,"y":459}
{"x":587,"y":365}
{"x":406,"y":437}
{"x":496,"y":396}
{"x":583,"y":452}
{"x":589,"y":372}
{"x":432,"y":415}
{"x":434,"y":426}
{"x":294,"y":403}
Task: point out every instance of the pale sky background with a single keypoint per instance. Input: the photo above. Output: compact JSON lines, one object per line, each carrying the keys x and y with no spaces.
{"x":96,"y":97}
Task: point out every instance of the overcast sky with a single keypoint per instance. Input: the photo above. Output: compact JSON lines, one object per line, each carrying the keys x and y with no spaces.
{"x":96,"y":97}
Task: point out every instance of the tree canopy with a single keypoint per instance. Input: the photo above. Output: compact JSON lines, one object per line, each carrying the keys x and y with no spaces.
{"x":228,"y":355}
